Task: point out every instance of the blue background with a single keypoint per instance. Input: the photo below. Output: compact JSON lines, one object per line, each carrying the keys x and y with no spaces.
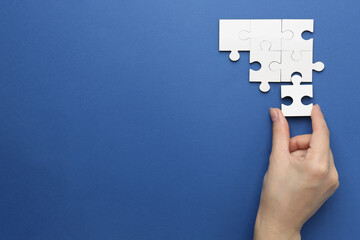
{"x":121,"y":120}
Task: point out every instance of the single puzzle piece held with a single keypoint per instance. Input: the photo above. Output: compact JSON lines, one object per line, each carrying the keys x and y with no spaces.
{"x":265,"y":74}
{"x":296,"y":92}
{"x":265,"y":30}
{"x":297,"y":43}
{"x":229,"y":39}
{"x":305,"y":66}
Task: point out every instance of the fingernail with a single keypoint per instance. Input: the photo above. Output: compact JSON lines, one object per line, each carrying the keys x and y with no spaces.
{"x":273,"y":114}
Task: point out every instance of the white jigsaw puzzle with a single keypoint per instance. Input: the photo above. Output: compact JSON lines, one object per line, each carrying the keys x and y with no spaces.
{"x":278,"y":46}
{"x":296,"y":92}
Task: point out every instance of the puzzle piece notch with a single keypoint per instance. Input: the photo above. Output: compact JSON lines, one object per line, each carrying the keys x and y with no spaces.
{"x":229,"y":39}
{"x":265,"y":30}
{"x":296,"y":92}
{"x":305,"y":66}
{"x":297,"y":43}
{"x":264,"y":75}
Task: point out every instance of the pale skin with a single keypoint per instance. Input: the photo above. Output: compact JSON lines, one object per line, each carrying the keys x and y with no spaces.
{"x":300,"y":178}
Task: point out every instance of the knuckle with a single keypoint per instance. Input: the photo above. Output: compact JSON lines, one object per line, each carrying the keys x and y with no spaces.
{"x":319,"y":170}
{"x":334,"y":179}
{"x":337,"y":184}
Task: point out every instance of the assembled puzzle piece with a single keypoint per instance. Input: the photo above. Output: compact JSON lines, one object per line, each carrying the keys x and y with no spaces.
{"x":265,"y":30}
{"x":305,"y":66}
{"x":296,"y":92}
{"x":265,"y":75}
{"x":229,"y":39}
{"x":297,"y":43}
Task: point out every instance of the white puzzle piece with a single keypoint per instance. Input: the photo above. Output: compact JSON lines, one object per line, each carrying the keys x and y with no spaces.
{"x":305,"y":66}
{"x":265,"y":74}
{"x":265,"y":30}
{"x":229,"y":39}
{"x":296,"y":92}
{"x":297,"y":43}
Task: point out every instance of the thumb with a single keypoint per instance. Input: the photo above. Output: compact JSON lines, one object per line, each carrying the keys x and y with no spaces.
{"x":281,"y":135}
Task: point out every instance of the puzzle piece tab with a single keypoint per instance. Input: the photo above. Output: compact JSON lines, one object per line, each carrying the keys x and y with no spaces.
{"x":229,"y":38}
{"x":296,"y":92}
{"x":265,"y":74}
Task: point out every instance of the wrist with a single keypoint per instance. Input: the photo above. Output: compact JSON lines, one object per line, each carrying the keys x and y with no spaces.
{"x":266,"y":229}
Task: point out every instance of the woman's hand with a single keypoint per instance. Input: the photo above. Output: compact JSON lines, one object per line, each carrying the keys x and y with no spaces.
{"x":300,"y":178}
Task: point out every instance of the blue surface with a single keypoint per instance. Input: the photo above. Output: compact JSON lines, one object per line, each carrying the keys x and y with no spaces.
{"x":121,"y":120}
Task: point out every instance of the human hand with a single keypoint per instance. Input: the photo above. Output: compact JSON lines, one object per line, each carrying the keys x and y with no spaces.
{"x":300,"y":178}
